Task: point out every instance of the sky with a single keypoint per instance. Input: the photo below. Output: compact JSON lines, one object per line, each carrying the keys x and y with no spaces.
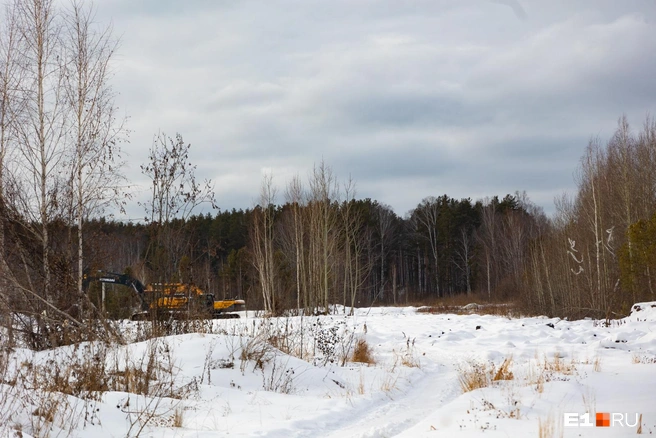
{"x":409,"y":99}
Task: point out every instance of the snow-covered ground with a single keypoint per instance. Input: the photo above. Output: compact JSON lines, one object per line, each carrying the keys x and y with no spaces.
{"x":537,"y":376}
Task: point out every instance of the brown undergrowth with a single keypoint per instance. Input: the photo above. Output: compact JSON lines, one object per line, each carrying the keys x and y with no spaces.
{"x":469,"y":304}
{"x":363,"y":353}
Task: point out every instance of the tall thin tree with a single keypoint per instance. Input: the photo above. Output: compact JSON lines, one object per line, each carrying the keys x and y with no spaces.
{"x":95,"y":131}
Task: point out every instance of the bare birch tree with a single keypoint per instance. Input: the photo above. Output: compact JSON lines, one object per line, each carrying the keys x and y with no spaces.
{"x":488,"y":237}
{"x":355,"y":240}
{"x":95,"y":130}
{"x":384,"y":216}
{"x":465,"y":255}
{"x":10,"y":80}
{"x":296,"y":198}
{"x":323,"y":232}
{"x":43,"y":121}
{"x":263,"y":243}
{"x":426,"y":216}
{"x":591,"y":204}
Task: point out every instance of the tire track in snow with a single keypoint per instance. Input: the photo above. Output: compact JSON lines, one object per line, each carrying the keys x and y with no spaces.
{"x":388,"y":418}
{"x":404,"y":411}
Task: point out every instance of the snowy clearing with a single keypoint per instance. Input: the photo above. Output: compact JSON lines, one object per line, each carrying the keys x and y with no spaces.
{"x":525,"y":375}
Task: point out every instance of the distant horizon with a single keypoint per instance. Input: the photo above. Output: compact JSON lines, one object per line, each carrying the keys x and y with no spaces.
{"x":203,"y":211}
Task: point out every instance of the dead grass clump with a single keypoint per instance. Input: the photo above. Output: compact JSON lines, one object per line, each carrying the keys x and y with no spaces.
{"x":61,"y":390}
{"x":476,"y":375}
{"x":539,"y":385}
{"x":363,"y":353}
{"x":319,"y":339}
{"x":277,"y":376}
{"x":547,"y":370}
{"x":138,"y":377}
{"x":258,"y":351}
{"x":504,"y":372}
{"x":458,"y":300}
{"x":596,"y":364}
{"x":79,"y":374}
{"x":558,"y":366}
{"x":465,"y":305}
{"x":132,"y":379}
{"x":361,"y":384}
{"x":589,"y":400}
{"x":53,"y":410}
{"x":643,"y":359}
{"x":410,"y":360}
{"x":153,"y":375}
{"x":389,"y":382}
{"x":178,"y":417}
{"x":546,"y":428}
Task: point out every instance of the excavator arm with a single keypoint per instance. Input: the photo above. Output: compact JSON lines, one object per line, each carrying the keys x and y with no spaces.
{"x":124,"y":279}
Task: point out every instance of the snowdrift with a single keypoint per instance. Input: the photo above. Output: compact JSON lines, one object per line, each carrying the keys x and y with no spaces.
{"x":430,"y":375}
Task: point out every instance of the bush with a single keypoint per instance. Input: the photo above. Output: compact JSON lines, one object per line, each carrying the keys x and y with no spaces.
{"x":363,"y":353}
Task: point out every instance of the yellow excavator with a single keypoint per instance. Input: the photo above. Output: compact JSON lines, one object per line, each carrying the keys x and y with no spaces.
{"x":177,"y":300}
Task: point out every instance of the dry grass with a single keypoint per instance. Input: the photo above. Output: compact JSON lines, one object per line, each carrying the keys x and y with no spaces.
{"x":596,"y":364}
{"x":589,"y":401}
{"x":258,"y":351}
{"x":80,"y":375}
{"x":456,"y":301}
{"x":473,"y":376}
{"x":178,"y":417}
{"x":558,"y":366}
{"x":539,"y":385}
{"x":546,"y":370}
{"x":361,"y":384}
{"x":546,"y":428}
{"x":503,"y":372}
{"x":476,"y":375}
{"x":642,"y":359}
{"x":410,"y":360}
{"x":363,"y":353}
{"x":389,"y":382}
{"x":61,"y":390}
{"x":132,"y":379}
{"x":465,"y":305}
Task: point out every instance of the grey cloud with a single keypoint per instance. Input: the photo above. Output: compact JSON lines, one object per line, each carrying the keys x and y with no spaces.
{"x":411,"y":98}
{"x":397,"y":109}
{"x":515,"y":6}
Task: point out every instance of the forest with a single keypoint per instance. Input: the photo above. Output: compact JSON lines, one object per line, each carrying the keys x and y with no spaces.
{"x":308,"y":245}
{"x":595,"y":257}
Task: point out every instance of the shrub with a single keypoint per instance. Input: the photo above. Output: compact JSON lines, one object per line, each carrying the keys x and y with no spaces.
{"x":363,"y":353}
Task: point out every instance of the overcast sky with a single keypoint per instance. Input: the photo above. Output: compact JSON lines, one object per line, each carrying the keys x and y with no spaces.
{"x":411,"y":98}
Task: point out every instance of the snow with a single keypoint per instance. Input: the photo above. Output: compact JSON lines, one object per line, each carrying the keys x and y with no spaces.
{"x":235,"y":380}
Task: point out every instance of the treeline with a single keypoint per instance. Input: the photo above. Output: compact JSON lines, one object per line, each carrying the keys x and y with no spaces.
{"x":319,"y":245}
{"x":313,"y":253}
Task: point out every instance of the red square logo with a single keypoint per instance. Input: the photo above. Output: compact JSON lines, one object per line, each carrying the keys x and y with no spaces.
{"x":603,"y":419}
